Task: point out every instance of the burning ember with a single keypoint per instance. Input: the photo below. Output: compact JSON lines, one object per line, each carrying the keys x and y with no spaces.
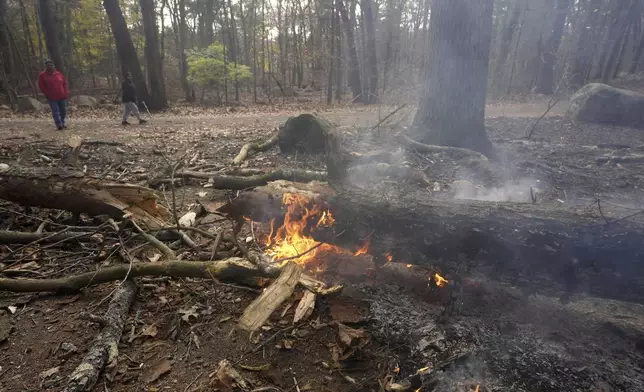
{"x":440,"y":281}
{"x":389,"y":257}
{"x":293,"y":239}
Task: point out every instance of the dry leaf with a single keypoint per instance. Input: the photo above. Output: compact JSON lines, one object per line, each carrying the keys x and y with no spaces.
{"x":159,"y":369}
{"x":285,"y":344}
{"x":226,"y":378}
{"x":12,"y":309}
{"x":49,"y":372}
{"x":150,"y":330}
{"x":188,"y":220}
{"x":347,"y":334}
{"x":187,"y":313}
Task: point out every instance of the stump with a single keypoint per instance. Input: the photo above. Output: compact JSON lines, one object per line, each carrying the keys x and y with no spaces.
{"x":305,"y":133}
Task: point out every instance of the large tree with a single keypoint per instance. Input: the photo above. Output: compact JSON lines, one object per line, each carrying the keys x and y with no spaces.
{"x":50,"y":29}
{"x":546,"y":78}
{"x":452,"y":110}
{"x":153,"y":61}
{"x":125,"y":48}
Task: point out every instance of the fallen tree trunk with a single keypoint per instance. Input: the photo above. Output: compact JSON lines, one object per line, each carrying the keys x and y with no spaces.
{"x":75,"y":192}
{"x":104,"y":350}
{"x":542,"y":248}
{"x":232,"y":269}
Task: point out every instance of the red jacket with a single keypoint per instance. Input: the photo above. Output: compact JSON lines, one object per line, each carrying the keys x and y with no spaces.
{"x":53,"y":85}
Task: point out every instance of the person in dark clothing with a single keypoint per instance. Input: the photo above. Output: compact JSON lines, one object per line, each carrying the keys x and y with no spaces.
{"x":129,"y":100}
{"x":53,"y":85}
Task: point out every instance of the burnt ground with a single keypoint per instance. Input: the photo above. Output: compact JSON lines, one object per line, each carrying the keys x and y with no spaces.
{"x":498,"y":339}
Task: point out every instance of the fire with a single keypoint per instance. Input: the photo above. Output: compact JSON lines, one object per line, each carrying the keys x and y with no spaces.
{"x":440,"y":281}
{"x":389,"y":257}
{"x":477,"y":388}
{"x":293,"y":240}
{"x":364,"y":248}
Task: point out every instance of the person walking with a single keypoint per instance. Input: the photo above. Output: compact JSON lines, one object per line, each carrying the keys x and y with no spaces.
{"x":53,"y":85}
{"x":129,"y":100}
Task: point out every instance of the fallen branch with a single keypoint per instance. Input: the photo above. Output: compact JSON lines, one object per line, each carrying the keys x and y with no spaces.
{"x":295,"y":175}
{"x":256,"y":314}
{"x":455,"y":152}
{"x":230,"y":269}
{"x":163,"y":248}
{"x":387,"y":117}
{"x":104,"y":350}
{"x":248,"y":147}
{"x":19,"y":237}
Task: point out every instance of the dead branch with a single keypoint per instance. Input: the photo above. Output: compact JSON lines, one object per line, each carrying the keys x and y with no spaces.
{"x":249,"y":147}
{"x":454,"y":152}
{"x":104,"y":350}
{"x":230,"y":269}
{"x":167,"y":252}
{"x":263,"y":306}
{"x":19,"y":237}
{"x":387,"y":117}
{"x":222,"y":181}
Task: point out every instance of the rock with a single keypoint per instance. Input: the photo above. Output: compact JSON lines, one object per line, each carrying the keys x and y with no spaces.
{"x":603,"y":104}
{"x":85,"y":101}
{"x":28,"y":104}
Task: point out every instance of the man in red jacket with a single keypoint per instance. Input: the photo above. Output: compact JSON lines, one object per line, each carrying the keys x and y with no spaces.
{"x":53,"y":85}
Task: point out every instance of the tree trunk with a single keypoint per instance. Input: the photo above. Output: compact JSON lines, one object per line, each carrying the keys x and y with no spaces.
{"x":183,"y":45}
{"x":585,"y":46}
{"x":505,"y":42}
{"x":50,"y":30}
{"x":372,"y":58}
{"x":331,"y":39}
{"x":546,"y":78}
{"x":354,"y":66}
{"x":125,"y":48}
{"x":616,"y":35}
{"x":158,"y":98}
{"x":452,"y":110}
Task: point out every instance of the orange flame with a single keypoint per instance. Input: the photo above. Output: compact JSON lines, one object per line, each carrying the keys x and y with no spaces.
{"x":364,"y":248}
{"x":477,"y":388}
{"x":440,"y":281}
{"x":408,"y":265}
{"x":389,"y":257}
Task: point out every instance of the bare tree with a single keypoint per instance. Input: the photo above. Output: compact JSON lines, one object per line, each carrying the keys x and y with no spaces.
{"x":546,"y":78}
{"x":50,"y":30}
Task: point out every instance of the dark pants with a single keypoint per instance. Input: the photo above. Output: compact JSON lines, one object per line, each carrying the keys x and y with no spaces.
{"x":58,"y":111}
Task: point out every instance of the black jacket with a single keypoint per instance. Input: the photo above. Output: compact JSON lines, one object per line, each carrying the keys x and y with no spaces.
{"x":129,"y":91}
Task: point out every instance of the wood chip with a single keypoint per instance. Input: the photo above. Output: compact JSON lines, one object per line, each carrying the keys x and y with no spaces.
{"x":305,"y":307}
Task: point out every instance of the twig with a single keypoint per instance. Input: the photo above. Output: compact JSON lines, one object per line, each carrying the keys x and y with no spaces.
{"x":215,"y":246}
{"x":551,"y":103}
{"x":387,"y":117}
{"x":193,"y":381}
{"x":167,"y":252}
{"x":599,"y":205}
{"x":299,"y":255}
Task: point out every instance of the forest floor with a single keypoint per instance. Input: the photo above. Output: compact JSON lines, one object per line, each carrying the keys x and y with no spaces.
{"x":503,"y":343}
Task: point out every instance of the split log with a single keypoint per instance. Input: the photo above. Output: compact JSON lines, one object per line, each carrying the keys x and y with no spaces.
{"x":105,"y":349}
{"x":305,"y":307}
{"x":232,"y":269}
{"x":256,"y":314}
{"x":75,"y":192}
{"x":247,"y":148}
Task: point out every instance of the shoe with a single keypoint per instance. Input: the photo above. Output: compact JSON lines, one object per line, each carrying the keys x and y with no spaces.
{"x":60,"y":127}
{"x":142,"y":121}
{"x":125,"y":123}
{"x":64,"y":126}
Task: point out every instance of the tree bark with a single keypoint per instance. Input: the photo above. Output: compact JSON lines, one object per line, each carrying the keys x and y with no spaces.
{"x":546,"y":78}
{"x":156,"y":81}
{"x":125,"y":48}
{"x":451,"y":112}
{"x":50,"y":30}
{"x":183,"y":45}
{"x":354,"y":66}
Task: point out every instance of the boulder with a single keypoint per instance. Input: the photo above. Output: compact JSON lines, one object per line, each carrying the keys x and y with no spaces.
{"x":603,"y":104}
{"x":29,"y":104}
{"x":85,"y":101}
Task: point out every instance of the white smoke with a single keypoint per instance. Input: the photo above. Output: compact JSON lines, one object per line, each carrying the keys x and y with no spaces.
{"x":521,"y":190}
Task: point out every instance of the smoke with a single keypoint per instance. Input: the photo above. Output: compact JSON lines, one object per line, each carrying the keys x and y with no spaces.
{"x":512,"y":191}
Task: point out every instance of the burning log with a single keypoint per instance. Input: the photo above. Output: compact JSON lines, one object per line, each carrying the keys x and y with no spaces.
{"x":536,"y":247}
{"x":75,"y":192}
